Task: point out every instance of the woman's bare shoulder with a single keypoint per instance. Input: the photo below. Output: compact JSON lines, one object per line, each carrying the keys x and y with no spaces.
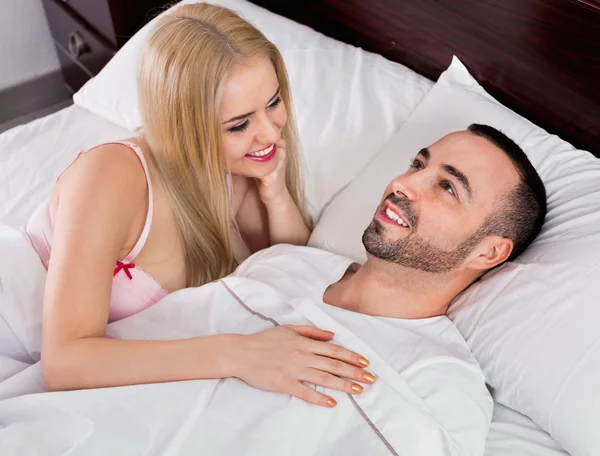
{"x":108,"y":175}
{"x":111,"y":165}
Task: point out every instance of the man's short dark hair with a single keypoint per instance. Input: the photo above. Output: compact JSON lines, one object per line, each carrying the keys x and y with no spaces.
{"x":521,"y":216}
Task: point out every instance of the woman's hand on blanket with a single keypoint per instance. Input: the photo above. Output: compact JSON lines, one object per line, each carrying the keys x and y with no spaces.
{"x":272,"y":187}
{"x":283,"y":358}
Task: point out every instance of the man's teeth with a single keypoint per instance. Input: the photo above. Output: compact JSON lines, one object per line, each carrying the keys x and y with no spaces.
{"x":262,"y":153}
{"x":391,"y":214}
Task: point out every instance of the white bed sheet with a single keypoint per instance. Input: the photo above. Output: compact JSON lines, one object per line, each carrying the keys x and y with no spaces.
{"x":33,"y":155}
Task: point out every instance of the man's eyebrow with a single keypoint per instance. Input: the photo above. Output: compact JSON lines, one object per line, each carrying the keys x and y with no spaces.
{"x":425,"y":153}
{"x":240,"y":117}
{"x":460,"y":176}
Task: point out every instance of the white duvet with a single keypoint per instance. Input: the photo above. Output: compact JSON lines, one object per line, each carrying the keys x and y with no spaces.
{"x":430,"y":398}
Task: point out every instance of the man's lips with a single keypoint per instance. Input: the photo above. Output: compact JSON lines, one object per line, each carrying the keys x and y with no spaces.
{"x":391,"y":214}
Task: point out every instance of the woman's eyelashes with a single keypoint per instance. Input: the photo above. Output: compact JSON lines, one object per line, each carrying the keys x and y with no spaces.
{"x":240,"y":127}
{"x":275,"y":102}
{"x":244,"y":125}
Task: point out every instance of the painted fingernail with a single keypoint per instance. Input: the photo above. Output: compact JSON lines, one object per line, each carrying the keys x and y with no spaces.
{"x":331,"y":402}
{"x":369,"y":377}
{"x":362,"y":361}
{"x":357,"y":388}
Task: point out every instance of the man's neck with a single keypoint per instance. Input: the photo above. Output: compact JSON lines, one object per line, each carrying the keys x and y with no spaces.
{"x":389,"y":290}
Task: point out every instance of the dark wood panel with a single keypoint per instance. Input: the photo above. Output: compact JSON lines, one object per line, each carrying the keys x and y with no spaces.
{"x":131,"y":15}
{"x":97,"y":14}
{"x":115,"y":21}
{"x":541,"y":58}
{"x":81,"y":51}
{"x":74,"y":74}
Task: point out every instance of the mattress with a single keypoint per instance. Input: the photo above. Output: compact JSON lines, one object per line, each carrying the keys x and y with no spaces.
{"x":33,"y":155}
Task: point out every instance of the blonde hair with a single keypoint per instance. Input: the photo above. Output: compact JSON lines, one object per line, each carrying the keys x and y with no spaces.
{"x":182,"y":68}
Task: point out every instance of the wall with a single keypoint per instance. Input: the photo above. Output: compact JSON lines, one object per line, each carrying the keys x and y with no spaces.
{"x":26,"y":47}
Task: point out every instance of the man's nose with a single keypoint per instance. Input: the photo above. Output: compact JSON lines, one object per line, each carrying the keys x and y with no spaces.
{"x":405,"y":186}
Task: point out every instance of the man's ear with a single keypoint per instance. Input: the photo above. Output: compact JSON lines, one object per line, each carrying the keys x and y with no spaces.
{"x":492,"y":251}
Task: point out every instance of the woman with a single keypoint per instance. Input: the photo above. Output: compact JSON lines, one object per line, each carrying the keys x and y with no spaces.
{"x":214,"y":176}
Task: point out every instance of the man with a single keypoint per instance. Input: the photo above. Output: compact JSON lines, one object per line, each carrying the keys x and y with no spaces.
{"x":468,"y":203}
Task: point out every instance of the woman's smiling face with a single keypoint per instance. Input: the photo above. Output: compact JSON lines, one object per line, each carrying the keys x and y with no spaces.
{"x":252,"y":117}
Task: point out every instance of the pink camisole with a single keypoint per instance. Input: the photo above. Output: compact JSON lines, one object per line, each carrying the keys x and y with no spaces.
{"x":133,"y":290}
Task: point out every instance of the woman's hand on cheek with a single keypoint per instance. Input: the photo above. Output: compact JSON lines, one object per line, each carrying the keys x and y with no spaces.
{"x":272,"y":187}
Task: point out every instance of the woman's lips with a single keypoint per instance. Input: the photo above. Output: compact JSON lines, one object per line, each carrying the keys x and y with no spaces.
{"x":263,"y":158}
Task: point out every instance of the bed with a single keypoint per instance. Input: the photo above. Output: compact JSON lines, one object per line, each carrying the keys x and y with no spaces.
{"x":533,"y":56}
{"x":62,"y":134}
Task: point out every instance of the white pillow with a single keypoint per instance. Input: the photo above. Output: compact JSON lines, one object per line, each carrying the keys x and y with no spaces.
{"x":349,"y":103}
{"x":533,"y":324}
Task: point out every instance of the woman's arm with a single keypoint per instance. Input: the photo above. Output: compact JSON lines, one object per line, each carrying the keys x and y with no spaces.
{"x":98,"y":209}
{"x":267,"y":214}
{"x":98,"y":362}
{"x":279,"y":359}
{"x":286,"y":224}
{"x":277,"y":222}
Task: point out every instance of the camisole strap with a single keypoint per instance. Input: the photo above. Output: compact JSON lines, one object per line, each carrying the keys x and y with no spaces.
{"x":137,"y":248}
{"x":144,"y":236}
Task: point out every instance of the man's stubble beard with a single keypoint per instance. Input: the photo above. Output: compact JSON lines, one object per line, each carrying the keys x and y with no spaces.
{"x":413,"y":251}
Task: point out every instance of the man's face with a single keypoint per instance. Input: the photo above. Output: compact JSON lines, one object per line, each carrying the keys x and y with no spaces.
{"x":433,"y":216}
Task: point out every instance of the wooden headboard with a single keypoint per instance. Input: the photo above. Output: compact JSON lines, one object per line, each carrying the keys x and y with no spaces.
{"x":540,"y":58}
